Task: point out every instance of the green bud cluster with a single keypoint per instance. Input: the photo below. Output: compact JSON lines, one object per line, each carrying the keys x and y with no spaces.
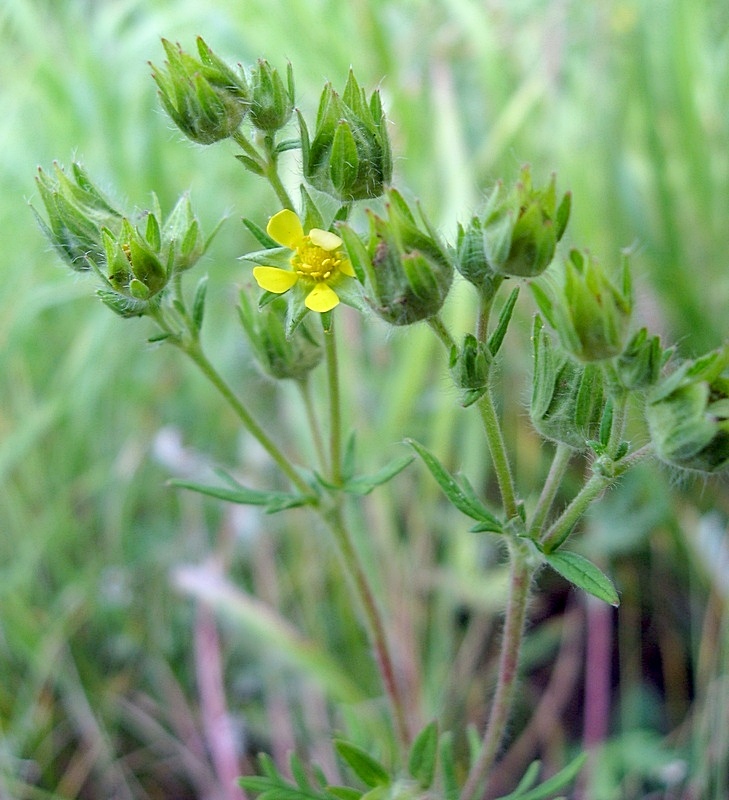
{"x":77,"y":212}
{"x":688,"y":414}
{"x":469,"y":367}
{"x":272,"y":102}
{"x":281,"y":354}
{"x":204,"y":97}
{"x":568,"y":398}
{"x":517,"y":233}
{"x":349,"y":155}
{"x":407,"y":271}
{"x":90,"y":234}
{"x":590,"y":313}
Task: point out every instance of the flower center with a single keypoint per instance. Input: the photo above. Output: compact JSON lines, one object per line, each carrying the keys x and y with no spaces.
{"x":316,"y":263}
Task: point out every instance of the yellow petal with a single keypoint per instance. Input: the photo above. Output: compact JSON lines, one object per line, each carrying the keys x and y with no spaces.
{"x":324,"y":239}
{"x":321,"y":298}
{"x":285,"y":228}
{"x":275,"y":280}
{"x":347,"y":268}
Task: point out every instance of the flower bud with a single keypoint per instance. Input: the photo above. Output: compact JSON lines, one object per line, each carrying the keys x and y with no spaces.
{"x":590,"y":313}
{"x":469,"y":368}
{"x":181,"y":241}
{"x":77,"y":212}
{"x":639,"y":365}
{"x":688,"y":414}
{"x":205,"y":99}
{"x":519,"y":229}
{"x":568,"y":399}
{"x":349,"y":155}
{"x":280,"y":356}
{"x":272,"y":103}
{"x":135,"y":271}
{"x":90,"y":234}
{"x":472,"y":260}
{"x":407,"y":272}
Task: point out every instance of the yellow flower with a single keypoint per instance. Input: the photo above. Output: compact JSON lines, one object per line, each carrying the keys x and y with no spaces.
{"x":318,"y":261}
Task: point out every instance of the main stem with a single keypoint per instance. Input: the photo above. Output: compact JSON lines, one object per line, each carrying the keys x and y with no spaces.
{"x":374,"y":624}
{"x":520,"y":580}
{"x":353,"y":564}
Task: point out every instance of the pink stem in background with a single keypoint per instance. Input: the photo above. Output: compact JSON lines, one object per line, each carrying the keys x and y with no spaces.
{"x":219,"y":734}
{"x":598,"y":669}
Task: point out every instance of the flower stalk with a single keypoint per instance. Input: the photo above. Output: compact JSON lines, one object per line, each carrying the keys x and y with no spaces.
{"x":335,"y":518}
{"x":499,"y":455}
{"x":374,"y":624}
{"x":335,"y":406}
{"x":521,"y":573}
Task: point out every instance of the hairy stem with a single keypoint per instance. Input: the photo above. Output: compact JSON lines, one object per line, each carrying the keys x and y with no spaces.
{"x":519,"y":583}
{"x":440,"y":330}
{"x":267,"y":163}
{"x":598,"y":482}
{"x":196,"y":354}
{"x":499,"y":456}
{"x":560,"y":462}
{"x":374,"y":624}
{"x":335,"y":412}
{"x":304,"y":387}
{"x":560,"y":529}
{"x":335,"y":518}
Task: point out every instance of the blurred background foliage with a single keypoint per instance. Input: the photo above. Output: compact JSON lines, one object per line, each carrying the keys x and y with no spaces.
{"x":102,"y":659}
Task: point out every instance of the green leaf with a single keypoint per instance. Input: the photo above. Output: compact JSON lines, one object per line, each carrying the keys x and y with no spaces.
{"x":343,"y":159}
{"x":288,"y":144}
{"x":198,"y":303}
{"x":424,"y":755}
{"x":488,"y":526}
{"x":273,"y":786}
{"x":161,"y":337}
{"x":377,"y":793}
{"x":497,"y":337}
{"x":349,"y":459}
{"x":311,"y":216}
{"x":252,"y":165}
{"x":343,"y":792}
{"x":562,"y":216}
{"x":123,"y":306}
{"x":364,"y":484}
{"x":260,"y":235}
{"x":460,"y":498}
{"x":367,"y":769}
{"x":583,"y":574}
{"x":606,"y":424}
{"x":553,"y":784}
{"x":544,"y":303}
{"x":152,"y":233}
{"x":273,"y":501}
{"x":451,"y":789}
{"x":299,"y":773}
{"x":529,"y":778}
{"x":271,"y":257}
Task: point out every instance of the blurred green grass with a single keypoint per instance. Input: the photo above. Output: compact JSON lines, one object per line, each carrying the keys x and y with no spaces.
{"x":626,"y":101}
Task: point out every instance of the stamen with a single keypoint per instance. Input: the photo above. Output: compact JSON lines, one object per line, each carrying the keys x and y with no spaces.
{"x":315,"y":263}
